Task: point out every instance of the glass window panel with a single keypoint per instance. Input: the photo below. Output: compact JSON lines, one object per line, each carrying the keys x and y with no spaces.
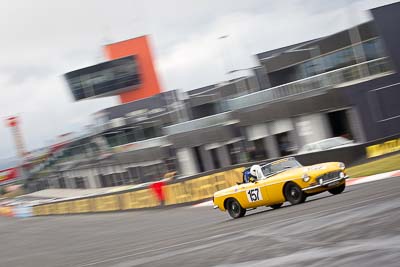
{"x":139,"y":134}
{"x":149,"y":132}
{"x":130,"y":136}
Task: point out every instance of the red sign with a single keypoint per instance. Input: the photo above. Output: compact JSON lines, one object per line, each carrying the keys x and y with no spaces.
{"x":8,"y":174}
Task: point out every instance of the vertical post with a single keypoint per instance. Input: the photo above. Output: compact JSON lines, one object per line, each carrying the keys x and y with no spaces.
{"x":356,"y":43}
{"x":13,"y":123}
{"x":224,"y":63}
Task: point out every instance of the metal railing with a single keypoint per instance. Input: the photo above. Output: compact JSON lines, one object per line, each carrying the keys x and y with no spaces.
{"x":148,"y":143}
{"x":205,"y":122}
{"x":318,"y":82}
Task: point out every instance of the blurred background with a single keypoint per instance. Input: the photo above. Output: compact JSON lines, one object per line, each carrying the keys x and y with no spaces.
{"x":101,"y":94}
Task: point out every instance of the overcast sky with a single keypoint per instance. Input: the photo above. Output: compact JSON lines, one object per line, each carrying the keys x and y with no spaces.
{"x":43,"y":39}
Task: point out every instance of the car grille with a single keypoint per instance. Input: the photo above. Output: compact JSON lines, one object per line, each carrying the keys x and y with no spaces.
{"x":329,"y":176}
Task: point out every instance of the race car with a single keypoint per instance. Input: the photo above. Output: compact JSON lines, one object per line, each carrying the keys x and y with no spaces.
{"x":283,"y":180}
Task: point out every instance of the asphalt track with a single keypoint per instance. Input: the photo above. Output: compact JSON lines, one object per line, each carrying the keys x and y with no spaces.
{"x":359,"y":227}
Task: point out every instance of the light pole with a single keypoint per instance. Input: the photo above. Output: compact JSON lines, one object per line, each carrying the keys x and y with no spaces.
{"x":224,"y":54}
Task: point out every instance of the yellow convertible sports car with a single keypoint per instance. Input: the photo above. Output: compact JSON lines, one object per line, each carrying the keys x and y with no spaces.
{"x":274,"y":183}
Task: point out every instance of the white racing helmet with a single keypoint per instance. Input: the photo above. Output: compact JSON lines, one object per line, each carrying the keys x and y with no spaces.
{"x":255,"y":170}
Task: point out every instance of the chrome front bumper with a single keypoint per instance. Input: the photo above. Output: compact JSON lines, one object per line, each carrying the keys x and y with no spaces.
{"x":327,"y":183}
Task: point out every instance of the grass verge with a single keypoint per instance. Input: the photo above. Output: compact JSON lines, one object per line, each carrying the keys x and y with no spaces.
{"x":387,"y":164}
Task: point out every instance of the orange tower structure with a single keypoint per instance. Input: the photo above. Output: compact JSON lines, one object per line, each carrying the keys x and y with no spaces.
{"x":140,"y":48}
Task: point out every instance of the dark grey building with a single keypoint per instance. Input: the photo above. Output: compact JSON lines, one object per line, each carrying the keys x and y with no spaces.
{"x":345,"y":84}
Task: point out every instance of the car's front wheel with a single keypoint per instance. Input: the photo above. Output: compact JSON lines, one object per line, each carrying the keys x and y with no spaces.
{"x":234,"y":208}
{"x":337,"y":190}
{"x":294,"y":194}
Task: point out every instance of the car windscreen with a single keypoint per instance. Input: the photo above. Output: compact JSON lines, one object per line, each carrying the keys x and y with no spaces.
{"x":279,"y":166}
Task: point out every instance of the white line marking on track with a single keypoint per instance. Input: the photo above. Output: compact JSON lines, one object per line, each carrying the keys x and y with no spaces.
{"x":373,"y":178}
{"x":204,"y":204}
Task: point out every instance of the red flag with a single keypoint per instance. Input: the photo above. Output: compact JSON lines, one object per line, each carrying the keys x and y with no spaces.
{"x":157,"y":188}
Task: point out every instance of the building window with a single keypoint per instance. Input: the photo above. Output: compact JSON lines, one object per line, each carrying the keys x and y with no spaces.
{"x":61,"y":182}
{"x":104,"y":180}
{"x":199,"y":160}
{"x":234,"y":153}
{"x":285,"y":145}
{"x":139,"y":134}
{"x":215,"y":159}
{"x":152,"y":132}
{"x":372,"y":49}
{"x":80,"y":182}
{"x":171,"y":163}
{"x":130,"y":135}
{"x":126,"y":178}
{"x":153,"y":173}
{"x":119,"y":179}
{"x":257,"y":150}
{"x":134,"y":174}
{"x":339,"y":123}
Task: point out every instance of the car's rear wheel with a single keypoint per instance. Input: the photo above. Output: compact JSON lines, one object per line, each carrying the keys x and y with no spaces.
{"x":276,"y":206}
{"x":234,"y":208}
{"x":337,"y":190}
{"x":294,"y":194}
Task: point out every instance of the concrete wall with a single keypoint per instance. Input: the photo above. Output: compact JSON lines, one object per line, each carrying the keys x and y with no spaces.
{"x":92,"y":179}
{"x":355,"y":124}
{"x":257,"y":131}
{"x":312,"y":128}
{"x":186,"y":161}
{"x":271,"y":146}
{"x":267,"y":132}
{"x":372,"y":99}
{"x":387,"y":21}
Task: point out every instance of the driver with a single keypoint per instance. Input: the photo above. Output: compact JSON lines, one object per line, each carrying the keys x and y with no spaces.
{"x":255,"y":173}
{"x":246,"y":176}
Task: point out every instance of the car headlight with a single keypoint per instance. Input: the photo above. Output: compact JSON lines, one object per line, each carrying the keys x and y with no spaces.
{"x":306,"y":178}
{"x":342,"y":166}
{"x":320,"y":181}
{"x":342,"y":175}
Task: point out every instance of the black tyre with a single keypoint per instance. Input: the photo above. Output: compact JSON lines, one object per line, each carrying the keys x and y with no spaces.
{"x":337,"y":190}
{"x":276,"y":206}
{"x":235,"y":209}
{"x":294,"y":194}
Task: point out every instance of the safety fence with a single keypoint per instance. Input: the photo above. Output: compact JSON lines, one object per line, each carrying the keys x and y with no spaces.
{"x":174,"y":192}
{"x":16,"y":211}
{"x":192,"y":189}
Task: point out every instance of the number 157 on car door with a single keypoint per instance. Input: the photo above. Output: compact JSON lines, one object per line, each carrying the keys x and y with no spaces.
{"x":254,"y":195}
